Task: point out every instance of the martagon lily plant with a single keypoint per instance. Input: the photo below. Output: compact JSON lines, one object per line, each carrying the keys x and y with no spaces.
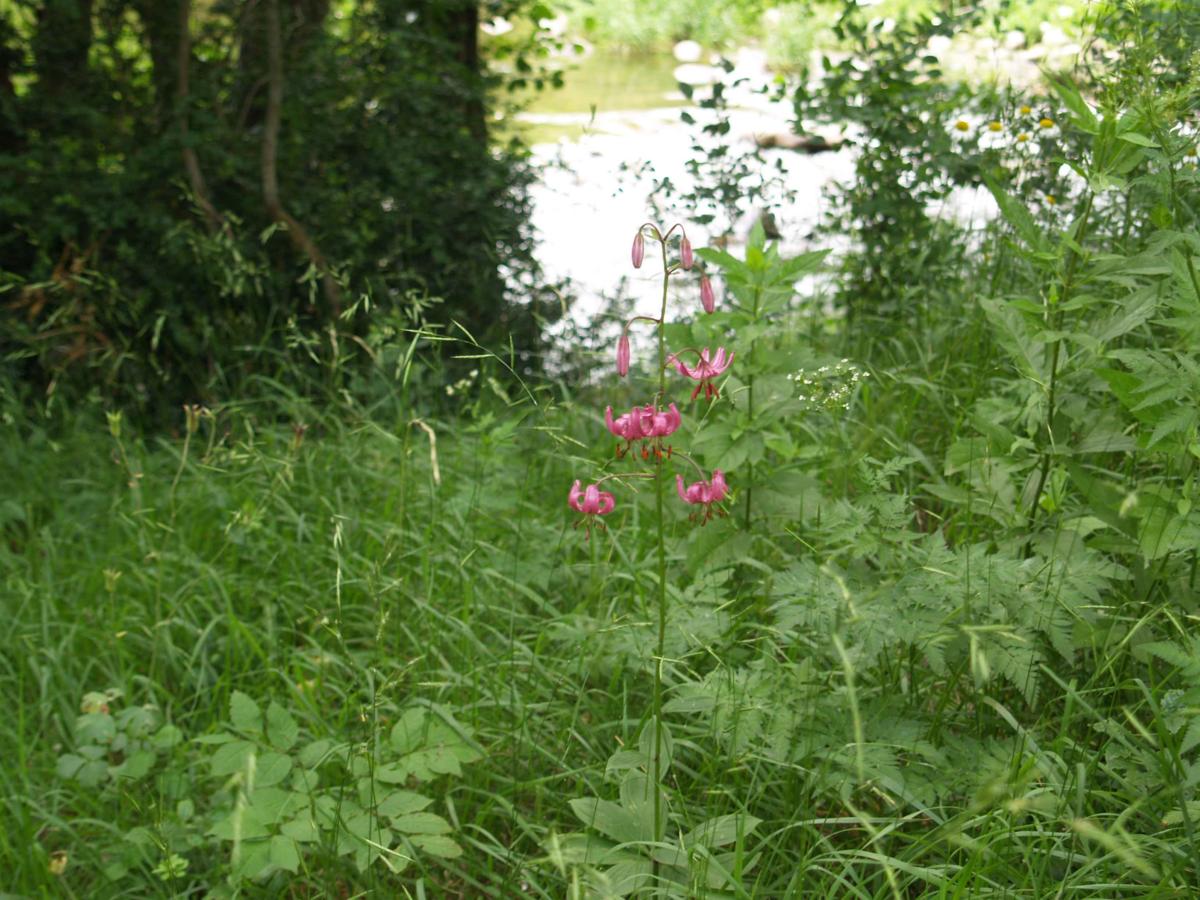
{"x":643,"y":432}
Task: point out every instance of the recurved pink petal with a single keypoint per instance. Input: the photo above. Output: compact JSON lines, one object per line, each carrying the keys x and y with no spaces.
{"x":607,"y":503}
{"x":678,"y":489}
{"x":719,"y":488}
{"x":591,"y":500}
{"x":573,"y":496}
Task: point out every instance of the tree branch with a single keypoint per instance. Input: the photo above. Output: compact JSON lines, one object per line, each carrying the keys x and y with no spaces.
{"x":270,"y":152}
{"x":191,"y":162}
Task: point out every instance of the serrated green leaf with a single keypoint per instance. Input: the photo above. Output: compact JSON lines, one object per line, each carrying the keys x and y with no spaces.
{"x":271,"y":769}
{"x":282,"y":730}
{"x":231,"y":757}
{"x":244,"y":713}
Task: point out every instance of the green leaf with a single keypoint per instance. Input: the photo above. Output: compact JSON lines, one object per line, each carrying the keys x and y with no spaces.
{"x":721,"y":831}
{"x":302,"y":829}
{"x":608,"y":818}
{"x":136,"y":766}
{"x":284,"y":854}
{"x":282,"y":729}
{"x":244,"y":713}
{"x":646,"y":746}
{"x":167,"y":737}
{"x":1081,"y":113}
{"x":272,"y":768}
{"x":421,"y":823}
{"x":437,"y":845}
{"x":231,"y":757}
{"x":315,"y":753}
{"x":1016,"y":215}
{"x":401,"y":803}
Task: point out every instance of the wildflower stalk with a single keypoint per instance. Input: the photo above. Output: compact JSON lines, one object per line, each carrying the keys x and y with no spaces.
{"x":659,"y":489}
{"x":1054,"y":314}
{"x":750,"y":399}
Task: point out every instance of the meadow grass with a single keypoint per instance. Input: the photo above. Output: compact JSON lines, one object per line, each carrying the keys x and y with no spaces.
{"x":327,"y":569}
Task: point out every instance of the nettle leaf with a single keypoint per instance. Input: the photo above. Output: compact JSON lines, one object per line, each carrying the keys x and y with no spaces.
{"x":244,"y":713}
{"x":609,"y":819}
{"x":282,"y":730}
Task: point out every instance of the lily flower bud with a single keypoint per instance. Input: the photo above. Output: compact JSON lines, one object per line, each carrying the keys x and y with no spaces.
{"x":707,"y":300}
{"x":639,"y":249}
{"x":623,"y":354}
{"x":685,"y":253}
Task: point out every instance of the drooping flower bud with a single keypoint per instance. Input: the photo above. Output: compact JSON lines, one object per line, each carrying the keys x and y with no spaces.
{"x":623,"y":354}
{"x":639,"y":249}
{"x":707,"y":300}
{"x":685,"y":253}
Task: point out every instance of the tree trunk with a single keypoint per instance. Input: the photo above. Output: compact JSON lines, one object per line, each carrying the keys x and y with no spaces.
{"x":191,"y":162}
{"x":270,"y":157}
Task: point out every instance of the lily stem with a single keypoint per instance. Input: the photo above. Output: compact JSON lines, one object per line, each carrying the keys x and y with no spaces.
{"x":659,"y":490}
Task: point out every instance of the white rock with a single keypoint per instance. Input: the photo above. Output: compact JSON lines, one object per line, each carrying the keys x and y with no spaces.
{"x":687,"y":51}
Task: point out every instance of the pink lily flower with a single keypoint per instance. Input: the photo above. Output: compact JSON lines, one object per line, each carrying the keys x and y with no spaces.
{"x":646,"y":424}
{"x":703,"y":493}
{"x":704,"y":371}
{"x":590,"y":502}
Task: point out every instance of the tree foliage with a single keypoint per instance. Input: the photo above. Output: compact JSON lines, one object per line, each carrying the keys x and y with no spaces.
{"x":193,"y":181}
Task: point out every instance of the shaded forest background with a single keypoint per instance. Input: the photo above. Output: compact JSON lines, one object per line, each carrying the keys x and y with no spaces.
{"x":188,"y":184}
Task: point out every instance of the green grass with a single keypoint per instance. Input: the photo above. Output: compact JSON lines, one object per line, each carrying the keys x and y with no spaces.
{"x":337,"y":578}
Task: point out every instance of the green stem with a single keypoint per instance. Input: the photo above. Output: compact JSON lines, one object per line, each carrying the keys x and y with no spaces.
{"x":750,"y":403}
{"x":659,"y":489}
{"x":1055,"y":322}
